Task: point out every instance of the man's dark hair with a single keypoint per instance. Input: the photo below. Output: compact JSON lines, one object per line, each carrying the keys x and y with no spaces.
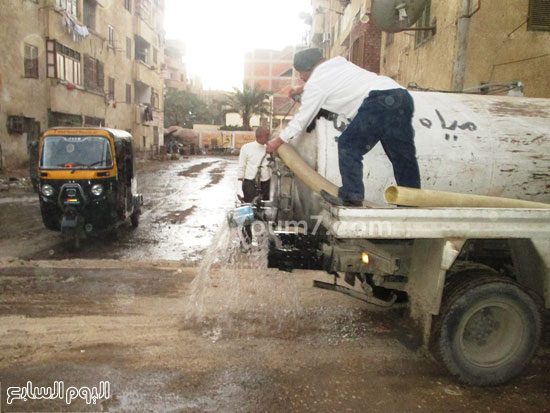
{"x":305,"y":60}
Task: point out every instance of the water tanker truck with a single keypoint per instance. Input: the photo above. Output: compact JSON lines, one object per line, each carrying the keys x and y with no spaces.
{"x":474,"y":276}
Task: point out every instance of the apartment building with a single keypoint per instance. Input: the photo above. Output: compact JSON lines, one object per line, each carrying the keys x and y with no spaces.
{"x":273,"y":71}
{"x":80,"y":63}
{"x":175,"y":71}
{"x":474,"y":45}
{"x":464,"y":45}
{"x":343,"y":28}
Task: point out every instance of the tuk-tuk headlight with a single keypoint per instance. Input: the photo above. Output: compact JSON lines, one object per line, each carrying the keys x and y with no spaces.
{"x":97,"y":189}
{"x":47,"y":190}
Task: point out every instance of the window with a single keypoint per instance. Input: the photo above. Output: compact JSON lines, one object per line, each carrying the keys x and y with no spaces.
{"x":128,"y":5}
{"x":128,"y":48}
{"x":63,"y":63}
{"x":539,"y":15}
{"x":422,"y":36}
{"x":93,"y":74}
{"x":89,"y":13}
{"x":76,"y":151}
{"x":141,"y":49}
{"x":155,"y":55}
{"x":31,"y":61}
{"x":93,"y":121}
{"x":111,"y":37}
{"x":111,"y":88}
{"x":128,"y":93}
{"x":69,"y":5}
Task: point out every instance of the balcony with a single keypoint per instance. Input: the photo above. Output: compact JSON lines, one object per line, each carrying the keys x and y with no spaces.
{"x":144,"y":73}
{"x":144,"y":30}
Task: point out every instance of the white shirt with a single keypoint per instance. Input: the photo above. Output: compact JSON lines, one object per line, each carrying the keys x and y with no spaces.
{"x":249,"y":159}
{"x":338,"y":86}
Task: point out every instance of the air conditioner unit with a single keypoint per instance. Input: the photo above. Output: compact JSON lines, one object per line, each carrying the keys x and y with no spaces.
{"x":326,"y":37}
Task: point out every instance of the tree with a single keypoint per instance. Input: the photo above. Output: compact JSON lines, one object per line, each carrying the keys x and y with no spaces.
{"x":183,"y":108}
{"x":251,"y":101}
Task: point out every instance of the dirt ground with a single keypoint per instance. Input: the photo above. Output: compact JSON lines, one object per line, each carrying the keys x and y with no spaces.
{"x":170,"y":333}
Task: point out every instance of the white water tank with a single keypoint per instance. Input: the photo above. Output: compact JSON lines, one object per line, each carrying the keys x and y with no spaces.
{"x":486,"y":145}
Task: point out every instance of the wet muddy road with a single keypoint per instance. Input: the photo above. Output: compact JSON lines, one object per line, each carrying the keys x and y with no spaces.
{"x":168,"y":333}
{"x":184,"y":204}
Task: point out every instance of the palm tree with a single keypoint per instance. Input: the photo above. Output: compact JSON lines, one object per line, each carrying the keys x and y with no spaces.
{"x":250,"y":101}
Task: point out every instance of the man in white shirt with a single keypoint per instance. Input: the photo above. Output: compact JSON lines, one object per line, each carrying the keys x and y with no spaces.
{"x":378,"y":107}
{"x":254,"y":170}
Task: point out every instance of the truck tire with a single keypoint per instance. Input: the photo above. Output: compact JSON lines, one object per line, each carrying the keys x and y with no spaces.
{"x":487,"y":331}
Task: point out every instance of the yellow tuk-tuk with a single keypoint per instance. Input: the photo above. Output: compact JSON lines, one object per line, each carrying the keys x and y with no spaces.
{"x":87,"y":180}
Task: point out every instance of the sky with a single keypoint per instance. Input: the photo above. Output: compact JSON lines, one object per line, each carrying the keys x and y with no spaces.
{"x":218,"y":33}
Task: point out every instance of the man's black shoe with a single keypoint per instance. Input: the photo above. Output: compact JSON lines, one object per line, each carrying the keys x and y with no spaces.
{"x":334,"y":200}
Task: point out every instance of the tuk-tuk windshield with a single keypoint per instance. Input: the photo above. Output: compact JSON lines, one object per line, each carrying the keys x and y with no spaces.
{"x":76,"y":152}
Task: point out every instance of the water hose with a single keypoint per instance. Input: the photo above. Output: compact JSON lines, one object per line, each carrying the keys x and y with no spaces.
{"x":401,"y":195}
{"x":304,"y":172}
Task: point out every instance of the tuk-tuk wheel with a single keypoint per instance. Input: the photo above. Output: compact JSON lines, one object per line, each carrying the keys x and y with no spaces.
{"x":50,"y":219}
{"x":134,"y":218}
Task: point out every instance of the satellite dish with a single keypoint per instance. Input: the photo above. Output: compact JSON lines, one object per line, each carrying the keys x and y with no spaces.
{"x":395,"y":15}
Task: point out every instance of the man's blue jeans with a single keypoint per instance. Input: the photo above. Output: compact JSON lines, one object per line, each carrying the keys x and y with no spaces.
{"x":385,"y":116}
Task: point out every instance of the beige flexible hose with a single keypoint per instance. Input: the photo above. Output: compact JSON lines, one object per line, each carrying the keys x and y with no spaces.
{"x":400,"y":195}
{"x":307,"y":174}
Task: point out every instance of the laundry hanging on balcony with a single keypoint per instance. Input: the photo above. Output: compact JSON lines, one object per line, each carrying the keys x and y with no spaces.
{"x":78,"y":31}
{"x":148,"y":114}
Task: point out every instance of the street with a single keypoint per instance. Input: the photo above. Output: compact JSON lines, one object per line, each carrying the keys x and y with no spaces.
{"x":176,"y":318}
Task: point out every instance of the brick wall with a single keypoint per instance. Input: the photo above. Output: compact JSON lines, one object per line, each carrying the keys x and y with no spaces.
{"x":366,"y":42}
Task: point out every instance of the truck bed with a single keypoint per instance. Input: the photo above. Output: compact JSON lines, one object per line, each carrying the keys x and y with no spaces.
{"x":412,"y":223}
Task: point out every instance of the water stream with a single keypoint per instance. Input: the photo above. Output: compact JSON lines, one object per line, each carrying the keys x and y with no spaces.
{"x":234,"y":294}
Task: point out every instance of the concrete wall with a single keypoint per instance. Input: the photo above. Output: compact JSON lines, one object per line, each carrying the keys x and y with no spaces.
{"x":498,"y":48}
{"x":501,"y":49}
{"x":431,"y":64}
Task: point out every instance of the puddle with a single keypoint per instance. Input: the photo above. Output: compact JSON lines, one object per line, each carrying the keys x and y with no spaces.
{"x":216,"y":176}
{"x":176,"y":217}
{"x":195,"y":169}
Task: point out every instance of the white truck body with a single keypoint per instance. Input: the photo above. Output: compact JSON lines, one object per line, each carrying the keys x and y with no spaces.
{"x":485,"y":145}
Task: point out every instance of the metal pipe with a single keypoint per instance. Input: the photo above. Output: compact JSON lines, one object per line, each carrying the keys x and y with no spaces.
{"x":463,"y":28}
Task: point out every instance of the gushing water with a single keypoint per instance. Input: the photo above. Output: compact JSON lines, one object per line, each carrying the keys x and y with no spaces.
{"x":234,"y":293}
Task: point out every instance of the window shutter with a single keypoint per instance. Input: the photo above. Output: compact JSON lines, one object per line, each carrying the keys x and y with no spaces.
{"x":100,"y":76}
{"x":539,"y":15}
{"x":89,"y":72}
{"x":50,"y":59}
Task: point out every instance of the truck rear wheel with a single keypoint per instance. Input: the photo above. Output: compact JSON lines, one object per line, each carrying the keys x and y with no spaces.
{"x":488,"y":330}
